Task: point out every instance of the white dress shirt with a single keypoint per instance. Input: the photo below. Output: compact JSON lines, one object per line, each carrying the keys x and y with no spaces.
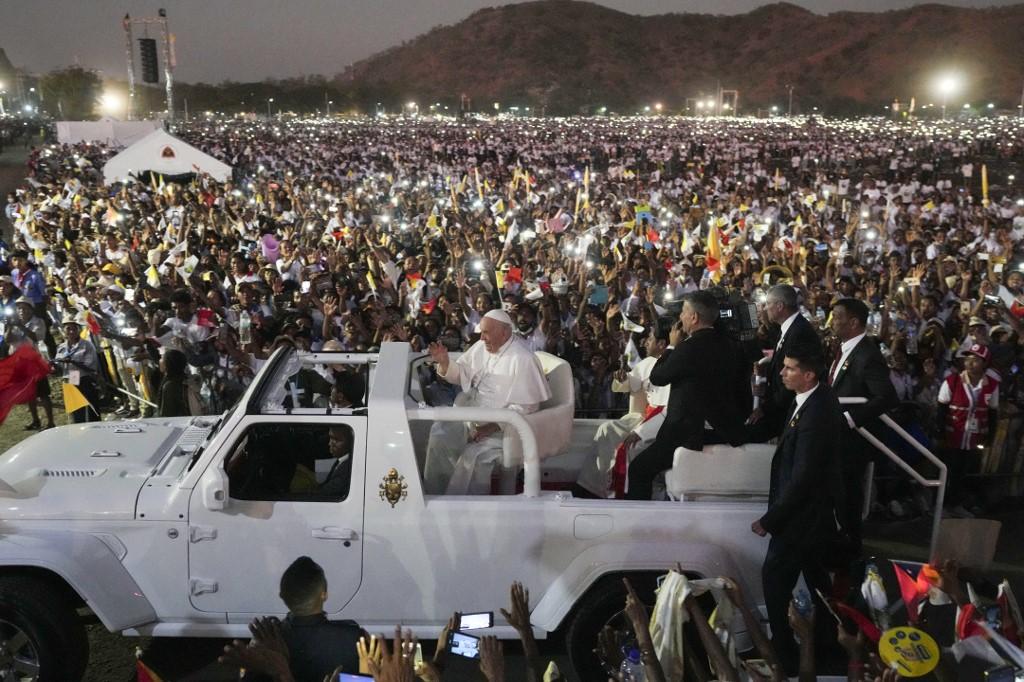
{"x":844,"y":355}
{"x":785,"y":328}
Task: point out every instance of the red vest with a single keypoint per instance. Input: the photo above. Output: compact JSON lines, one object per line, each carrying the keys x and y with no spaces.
{"x":968,"y":408}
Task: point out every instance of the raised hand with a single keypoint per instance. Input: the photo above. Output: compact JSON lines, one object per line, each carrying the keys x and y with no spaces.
{"x":438,"y":354}
{"x":368,"y":650}
{"x":492,"y":659}
{"x":258,"y":659}
{"x":396,"y":662}
{"x":266,"y":632}
{"x":519,"y":617}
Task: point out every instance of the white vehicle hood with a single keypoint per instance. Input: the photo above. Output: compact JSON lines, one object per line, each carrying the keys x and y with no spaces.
{"x":84,"y":471}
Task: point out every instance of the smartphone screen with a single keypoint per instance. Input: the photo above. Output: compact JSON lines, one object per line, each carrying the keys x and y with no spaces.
{"x":350,"y":677}
{"x":476,"y":621}
{"x":461,"y":644}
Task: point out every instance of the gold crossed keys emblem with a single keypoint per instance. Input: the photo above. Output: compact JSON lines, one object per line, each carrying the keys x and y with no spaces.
{"x":393,"y":488}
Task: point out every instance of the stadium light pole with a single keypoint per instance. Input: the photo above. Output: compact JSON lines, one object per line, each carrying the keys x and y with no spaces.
{"x":270,"y":101}
{"x":947,"y":86}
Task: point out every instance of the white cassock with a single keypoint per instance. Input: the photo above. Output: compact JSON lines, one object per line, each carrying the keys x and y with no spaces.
{"x":511,"y":378}
{"x":594,"y":473}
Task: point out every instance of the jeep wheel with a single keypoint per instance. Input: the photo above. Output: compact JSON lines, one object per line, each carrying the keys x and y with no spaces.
{"x":41,"y":637}
{"x":603,"y":605}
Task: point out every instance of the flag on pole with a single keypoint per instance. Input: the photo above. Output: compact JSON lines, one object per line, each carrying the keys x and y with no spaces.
{"x":479,"y":187}
{"x":713,"y":254}
{"x":73,"y":398}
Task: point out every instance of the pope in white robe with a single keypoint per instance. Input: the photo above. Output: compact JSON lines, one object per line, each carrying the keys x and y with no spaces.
{"x":634,"y":427}
{"x":497,"y":371}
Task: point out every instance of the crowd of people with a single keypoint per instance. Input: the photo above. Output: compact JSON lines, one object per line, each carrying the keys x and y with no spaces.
{"x":588,"y":232}
{"x":882,"y":259}
{"x":690,"y":630}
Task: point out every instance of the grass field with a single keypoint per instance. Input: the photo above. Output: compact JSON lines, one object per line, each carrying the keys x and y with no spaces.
{"x":13,"y":430}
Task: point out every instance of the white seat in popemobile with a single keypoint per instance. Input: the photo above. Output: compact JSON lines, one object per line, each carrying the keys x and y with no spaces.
{"x":721,"y":471}
{"x":552,"y":423}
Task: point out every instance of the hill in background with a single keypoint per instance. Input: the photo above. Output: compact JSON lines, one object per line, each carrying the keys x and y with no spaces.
{"x":577,"y":56}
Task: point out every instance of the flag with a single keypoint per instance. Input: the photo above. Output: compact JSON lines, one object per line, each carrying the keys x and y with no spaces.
{"x":984,"y":184}
{"x":1010,"y":620}
{"x":479,"y":187}
{"x":91,"y":324}
{"x":371,"y":281}
{"x":862,"y":622}
{"x":428,"y":306}
{"x":499,"y":278}
{"x":929,"y":206}
{"x":498,"y":207}
{"x":19,"y":373}
{"x":909,"y":591}
{"x":632,"y":353}
{"x":153,"y":277}
{"x":514,"y":275}
{"x":713,"y":253}
{"x":579,"y":198}
{"x":143,"y":673}
{"x":777,"y":178}
{"x":414,"y":279}
{"x":630,"y":326}
{"x":73,"y":398}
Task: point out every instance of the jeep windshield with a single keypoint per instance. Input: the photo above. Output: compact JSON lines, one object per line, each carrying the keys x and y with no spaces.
{"x":293,"y":379}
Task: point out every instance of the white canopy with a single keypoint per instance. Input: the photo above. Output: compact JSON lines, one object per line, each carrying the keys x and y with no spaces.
{"x":163,"y":153}
{"x":107,"y":130}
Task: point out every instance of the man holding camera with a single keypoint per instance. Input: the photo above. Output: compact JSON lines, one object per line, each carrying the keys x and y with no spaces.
{"x":700,"y":364}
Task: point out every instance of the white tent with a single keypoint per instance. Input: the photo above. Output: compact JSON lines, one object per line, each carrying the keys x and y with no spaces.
{"x":107,"y":130}
{"x":165,"y":154}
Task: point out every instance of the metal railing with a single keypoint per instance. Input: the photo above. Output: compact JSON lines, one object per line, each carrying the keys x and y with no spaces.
{"x":938,"y":483}
{"x":531,"y":458}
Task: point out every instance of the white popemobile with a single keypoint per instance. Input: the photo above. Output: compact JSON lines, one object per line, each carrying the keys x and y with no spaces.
{"x":183,"y":527}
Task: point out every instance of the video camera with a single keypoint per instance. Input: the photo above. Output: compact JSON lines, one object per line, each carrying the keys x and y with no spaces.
{"x":737,"y":317}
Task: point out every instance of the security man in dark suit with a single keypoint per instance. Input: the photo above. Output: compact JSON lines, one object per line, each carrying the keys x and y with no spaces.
{"x":858,"y":371}
{"x":782,"y":307}
{"x":702,"y":371}
{"x":801,"y":506}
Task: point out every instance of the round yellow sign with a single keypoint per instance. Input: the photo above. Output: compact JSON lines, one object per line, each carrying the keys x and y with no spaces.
{"x":910,"y":651}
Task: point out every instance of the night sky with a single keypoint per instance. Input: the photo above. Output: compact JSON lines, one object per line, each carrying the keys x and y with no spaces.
{"x":255,"y":39}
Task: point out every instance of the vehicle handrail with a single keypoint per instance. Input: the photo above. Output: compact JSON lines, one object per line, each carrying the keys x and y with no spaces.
{"x":938,"y":483}
{"x":531,"y":460}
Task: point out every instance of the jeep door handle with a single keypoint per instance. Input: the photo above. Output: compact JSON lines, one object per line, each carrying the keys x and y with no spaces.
{"x":334,"y":533}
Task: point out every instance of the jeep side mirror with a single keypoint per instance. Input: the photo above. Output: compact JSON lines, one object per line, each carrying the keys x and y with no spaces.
{"x":214,"y":488}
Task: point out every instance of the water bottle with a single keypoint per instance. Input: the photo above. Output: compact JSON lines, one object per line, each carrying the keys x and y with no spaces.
{"x":245,"y":328}
{"x":632,"y":670}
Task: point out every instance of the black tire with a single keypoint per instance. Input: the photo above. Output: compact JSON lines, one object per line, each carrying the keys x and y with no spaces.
{"x":40,"y":609}
{"x":602,"y":605}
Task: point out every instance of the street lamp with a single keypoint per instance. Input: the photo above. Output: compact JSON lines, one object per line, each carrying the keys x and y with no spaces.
{"x":110,"y":103}
{"x":947,"y":85}
{"x":329,"y":103}
{"x":269,"y":102}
